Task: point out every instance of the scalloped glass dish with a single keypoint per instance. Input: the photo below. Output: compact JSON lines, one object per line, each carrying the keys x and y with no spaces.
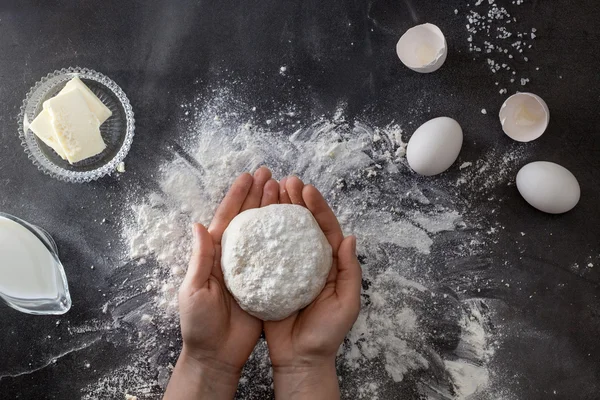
{"x":117,"y":131}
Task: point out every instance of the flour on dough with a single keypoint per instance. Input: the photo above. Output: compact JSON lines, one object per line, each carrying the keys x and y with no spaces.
{"x":275,"y":260}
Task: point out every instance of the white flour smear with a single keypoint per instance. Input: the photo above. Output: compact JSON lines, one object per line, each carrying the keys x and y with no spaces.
{"x":420,"y":331}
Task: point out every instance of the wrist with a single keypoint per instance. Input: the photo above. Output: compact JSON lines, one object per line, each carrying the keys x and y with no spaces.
{"x":206,"y":378}
{"x":301,"y":364}
{"x":209,"y":367}
{"x":307,"y":379}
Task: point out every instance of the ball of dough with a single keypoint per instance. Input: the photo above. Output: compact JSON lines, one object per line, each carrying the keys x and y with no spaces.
{"x":275,"y":260}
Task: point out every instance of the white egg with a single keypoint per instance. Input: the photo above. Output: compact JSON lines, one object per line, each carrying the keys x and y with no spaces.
{"x":422,"y":48}
{"x":524,"y":117}
{"x":548,"y":187}
{"x":434,"y":146}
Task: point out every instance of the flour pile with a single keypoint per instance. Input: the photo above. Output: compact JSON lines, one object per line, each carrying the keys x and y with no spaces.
{"x":422,"y":330}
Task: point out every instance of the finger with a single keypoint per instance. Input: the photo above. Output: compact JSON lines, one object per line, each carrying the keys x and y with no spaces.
{"x":261,"y":177}
{"x":202,"y":259}
{"x":284,"y":197}
{"x":217,"y":270}
{"x":270,"y":193}
{"x":349,"y":273}
{"x":332,"y":277}
{"x":324,"y":216}
{"x":294,"y":188}
{"x":230,"y":206}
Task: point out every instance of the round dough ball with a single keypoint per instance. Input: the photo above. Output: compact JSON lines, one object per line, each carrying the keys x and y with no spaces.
{"x":275,"y":260}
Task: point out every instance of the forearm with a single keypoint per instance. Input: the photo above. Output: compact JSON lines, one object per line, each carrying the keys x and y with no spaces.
{"x":307,"y":382}
{"x":195,"y":380}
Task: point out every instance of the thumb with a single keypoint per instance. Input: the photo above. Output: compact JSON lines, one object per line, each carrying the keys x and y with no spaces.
{"x":349,"y":277}
{"x":202,"y":259}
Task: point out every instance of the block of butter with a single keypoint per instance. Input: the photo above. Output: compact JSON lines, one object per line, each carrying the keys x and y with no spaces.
{"x":42,"y":127}
{"x":70,"y":122}
{"x":96,"y":106}
{"x":76,"y":127}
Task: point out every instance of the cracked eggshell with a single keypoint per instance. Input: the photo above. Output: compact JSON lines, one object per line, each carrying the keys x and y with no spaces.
{"x":524,"y":117}
{"x":549,"y":187}
{"x":434,"y":146}
{"x":422,"y":48}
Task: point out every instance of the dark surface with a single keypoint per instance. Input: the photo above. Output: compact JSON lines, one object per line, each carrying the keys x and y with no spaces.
{"x":164,"y":54}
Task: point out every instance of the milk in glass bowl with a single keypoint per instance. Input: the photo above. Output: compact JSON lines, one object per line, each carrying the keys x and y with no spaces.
{"x":32,"y":278}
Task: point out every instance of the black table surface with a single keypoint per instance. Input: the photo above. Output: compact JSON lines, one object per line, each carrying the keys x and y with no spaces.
{"x":164,"y":53}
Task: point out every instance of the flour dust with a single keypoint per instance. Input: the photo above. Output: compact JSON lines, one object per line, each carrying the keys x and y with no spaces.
{"x":423,"y":329}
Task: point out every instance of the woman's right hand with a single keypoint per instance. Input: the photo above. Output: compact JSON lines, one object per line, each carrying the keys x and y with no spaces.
{"x":303,"y":346}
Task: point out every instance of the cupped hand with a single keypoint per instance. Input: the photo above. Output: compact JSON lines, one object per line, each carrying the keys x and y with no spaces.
{"x":218,"y":336}
{"x":303,"y":346}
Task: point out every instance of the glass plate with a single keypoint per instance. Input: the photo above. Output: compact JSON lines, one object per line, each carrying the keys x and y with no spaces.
{"x":117,"y":131}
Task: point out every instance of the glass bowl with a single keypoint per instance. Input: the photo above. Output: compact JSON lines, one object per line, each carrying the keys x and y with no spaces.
{"x":60,"y":302}
{"x":117,"y":131}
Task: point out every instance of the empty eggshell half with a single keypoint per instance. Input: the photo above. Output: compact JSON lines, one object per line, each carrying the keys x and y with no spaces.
{"x":422,"y":48}
{"x":524,"y":117}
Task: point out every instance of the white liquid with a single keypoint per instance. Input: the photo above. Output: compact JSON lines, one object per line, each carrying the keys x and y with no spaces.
{"x":426,"y":54}
{"x":525,"y":116}
{"x":27,"y":268}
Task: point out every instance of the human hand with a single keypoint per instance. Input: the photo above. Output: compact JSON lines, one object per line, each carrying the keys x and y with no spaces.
{"x":303,"y":346}
{"x":218,"y":336}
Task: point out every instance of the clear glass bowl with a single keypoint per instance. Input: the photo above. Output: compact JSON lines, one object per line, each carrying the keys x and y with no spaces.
{"x":117,"y":131}
{"x":61,"y":302}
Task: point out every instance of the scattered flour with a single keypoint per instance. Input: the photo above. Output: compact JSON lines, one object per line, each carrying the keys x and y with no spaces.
{"x":411,"y":324}
{"x":492,"y":169}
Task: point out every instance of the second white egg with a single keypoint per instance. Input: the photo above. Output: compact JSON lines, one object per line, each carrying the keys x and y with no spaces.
{"x":549,"y":187}
{"x":434,"y":146}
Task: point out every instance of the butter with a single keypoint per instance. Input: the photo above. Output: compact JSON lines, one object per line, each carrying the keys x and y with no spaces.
{"x":96,"y":106}
{"x":76,"y":127}
{"x":42,"y":127}
{"x":69,"y":122}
